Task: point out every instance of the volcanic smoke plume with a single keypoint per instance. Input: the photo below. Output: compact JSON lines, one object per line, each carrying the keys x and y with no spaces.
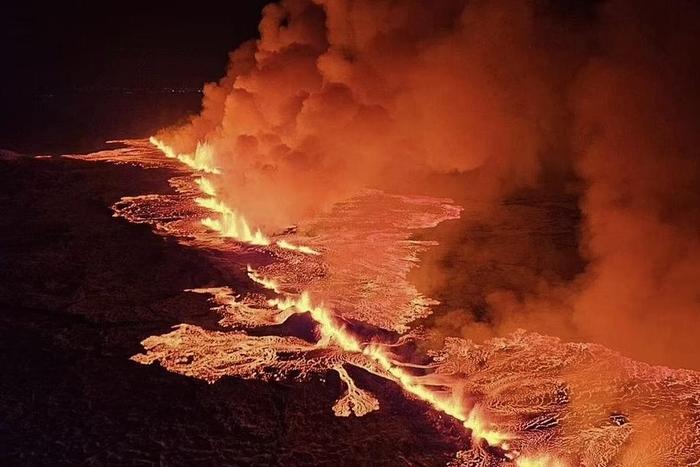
{"x":595,"y":100}
{"x":635,"y":140}
{"x":638,"y":135}
{"x":338,"y":95}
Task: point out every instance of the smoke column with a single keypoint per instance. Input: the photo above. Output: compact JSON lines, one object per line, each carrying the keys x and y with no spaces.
{"x":337,"y":96}
{"x":637,"y":135}
{"x":595,"y":99}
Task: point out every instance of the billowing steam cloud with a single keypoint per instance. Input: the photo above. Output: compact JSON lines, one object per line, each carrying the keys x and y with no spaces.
{"x":635,"y":143}
{"x":638,"y":134}
{"x":341,"y":95}
{"x":338,"y":95}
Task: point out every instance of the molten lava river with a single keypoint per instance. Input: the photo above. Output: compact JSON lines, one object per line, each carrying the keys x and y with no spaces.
{"x":331,"y":295}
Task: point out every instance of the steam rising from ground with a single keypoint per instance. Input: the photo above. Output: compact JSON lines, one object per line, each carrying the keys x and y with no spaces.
{"x":638,"y":132}
{"x":635,"y":133}
{"x":340,"y":95}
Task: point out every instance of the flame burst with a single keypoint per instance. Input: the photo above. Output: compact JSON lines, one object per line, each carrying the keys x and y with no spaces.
{"x":201,"y":160}
{"x":229,"y":223}
{"x":206,"y":186}
{"x":267,"y":283}
{"x":300,"y":248}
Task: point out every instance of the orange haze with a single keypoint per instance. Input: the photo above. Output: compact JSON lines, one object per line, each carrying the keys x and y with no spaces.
{"x":596,"y":100}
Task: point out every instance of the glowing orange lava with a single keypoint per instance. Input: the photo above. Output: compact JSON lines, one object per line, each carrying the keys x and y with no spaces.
{"x":333,"y":332}
{"x":542,"y":401}
{"x":201,"y":160}
{"x":544,"y":460}
{"x":267,"y":283}
{"x":206,"y":186}
{"x":229,"y":223}
{"x":300,"y":248}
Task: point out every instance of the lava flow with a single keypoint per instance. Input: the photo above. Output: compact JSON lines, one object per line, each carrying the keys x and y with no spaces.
{"x":332,"y":331}
{"x":528,"y":399}
{"x":230,"y":224}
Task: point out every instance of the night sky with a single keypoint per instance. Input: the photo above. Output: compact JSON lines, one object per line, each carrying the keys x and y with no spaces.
{"x":65,"y":45}
{"x":76,"y":73}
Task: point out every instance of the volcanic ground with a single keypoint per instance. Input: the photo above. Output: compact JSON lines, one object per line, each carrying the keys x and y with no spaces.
{"x":94,"y":371}
{"x":80,"y":290}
